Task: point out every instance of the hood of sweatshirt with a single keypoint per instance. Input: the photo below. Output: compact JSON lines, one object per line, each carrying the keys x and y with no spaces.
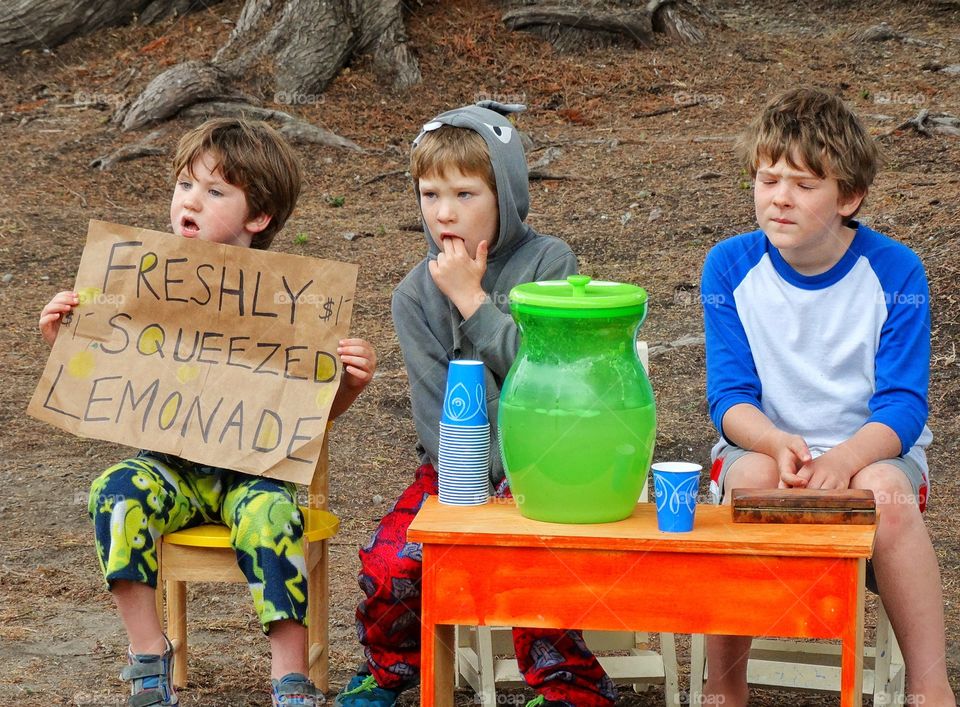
{"x":489,"y":120}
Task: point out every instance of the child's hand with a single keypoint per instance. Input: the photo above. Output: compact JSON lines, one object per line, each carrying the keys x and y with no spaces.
{"x":828,"y":471}
{"x":791,"y":455}
{"x":53,"y":314}
{"x":458,"y":276}
{"x":359,"y":363}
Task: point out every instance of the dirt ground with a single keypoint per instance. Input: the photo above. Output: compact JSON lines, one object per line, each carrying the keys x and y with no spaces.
{"x":642,"y":200}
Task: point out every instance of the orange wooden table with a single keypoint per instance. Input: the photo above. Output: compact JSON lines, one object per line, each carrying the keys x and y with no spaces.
{"x":488,"y":565}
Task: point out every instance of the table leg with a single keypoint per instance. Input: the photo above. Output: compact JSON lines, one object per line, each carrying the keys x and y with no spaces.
{"x":437,"y":644}
{"x":851,"y":662}
{"x":437,"y":664}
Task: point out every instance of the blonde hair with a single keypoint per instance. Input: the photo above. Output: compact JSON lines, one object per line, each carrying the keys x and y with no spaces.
{"x":451,"y":148}
{"x":253,"y":157}
{"x":816,"y":129}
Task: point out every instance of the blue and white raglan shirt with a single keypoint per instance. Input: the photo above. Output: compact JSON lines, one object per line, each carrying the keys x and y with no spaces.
{"x":820,"y":355}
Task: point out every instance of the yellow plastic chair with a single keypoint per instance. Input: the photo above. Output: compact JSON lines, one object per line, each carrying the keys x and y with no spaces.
{"x":203,"y":554}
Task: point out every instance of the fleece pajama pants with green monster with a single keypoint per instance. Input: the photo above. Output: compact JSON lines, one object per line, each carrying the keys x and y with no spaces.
{"x":137,"y":500}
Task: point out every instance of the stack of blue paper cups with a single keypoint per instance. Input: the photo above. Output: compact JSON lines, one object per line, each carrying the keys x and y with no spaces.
{"x":464,"y":463}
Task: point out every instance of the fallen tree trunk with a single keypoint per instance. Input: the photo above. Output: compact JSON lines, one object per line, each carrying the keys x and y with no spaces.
{"x":44,"y":24}
{"x":574,"y":27}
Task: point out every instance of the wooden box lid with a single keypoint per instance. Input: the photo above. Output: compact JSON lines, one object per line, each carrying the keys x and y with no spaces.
{"x":848,"y":507}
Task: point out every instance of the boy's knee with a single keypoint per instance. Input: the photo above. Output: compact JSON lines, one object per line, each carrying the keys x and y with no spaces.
{"x":753,"y":470}
{"x":113,"y":485}
{"x":268,"y":518}
{"x":890,"y":486}
{"x":897,"y":503}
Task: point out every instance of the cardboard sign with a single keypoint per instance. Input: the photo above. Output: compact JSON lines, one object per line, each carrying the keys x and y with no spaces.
{"x":222,"y":355}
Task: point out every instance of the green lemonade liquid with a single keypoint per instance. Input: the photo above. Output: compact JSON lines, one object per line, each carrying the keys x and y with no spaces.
{"x":577,"y":466}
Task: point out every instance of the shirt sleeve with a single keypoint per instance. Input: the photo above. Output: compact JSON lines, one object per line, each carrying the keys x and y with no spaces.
{"x":902,"y":373}
{"x":732,"y":376}
{"x":428,"y":378}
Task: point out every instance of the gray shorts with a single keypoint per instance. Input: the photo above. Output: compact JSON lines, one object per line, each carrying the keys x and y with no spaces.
{"x":729,"y":456}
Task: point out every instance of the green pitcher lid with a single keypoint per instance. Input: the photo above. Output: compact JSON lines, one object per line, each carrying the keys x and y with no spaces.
{"x":578,"y":292}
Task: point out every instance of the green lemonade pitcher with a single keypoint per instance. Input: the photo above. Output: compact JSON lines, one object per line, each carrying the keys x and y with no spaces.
{"x":577,"y":421}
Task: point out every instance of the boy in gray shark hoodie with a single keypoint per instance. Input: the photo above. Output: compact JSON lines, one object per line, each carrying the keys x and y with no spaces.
{"x":470,"y":175}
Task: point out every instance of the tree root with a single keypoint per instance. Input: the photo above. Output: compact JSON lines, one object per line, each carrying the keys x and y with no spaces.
{"x":296,"y":130}
{"x":927,"y":123}
{"x":133,"y":151}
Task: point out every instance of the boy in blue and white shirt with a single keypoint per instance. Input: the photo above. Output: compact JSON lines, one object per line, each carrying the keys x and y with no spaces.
{"x":818,"y":350}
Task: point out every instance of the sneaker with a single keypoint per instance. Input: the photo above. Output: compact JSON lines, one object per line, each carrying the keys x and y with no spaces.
{"x":295,"y":690}
{"x":363,"y":691}
{"x":151,"y":679}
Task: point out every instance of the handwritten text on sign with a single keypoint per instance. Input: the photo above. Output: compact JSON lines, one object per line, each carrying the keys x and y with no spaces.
{"x":223,"y":355}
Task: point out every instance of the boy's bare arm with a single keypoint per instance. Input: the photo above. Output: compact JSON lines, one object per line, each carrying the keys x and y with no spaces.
{"x":746,"y":426}
{"x":835,"y":468}
{"x":53,"y":313}
{"x":359,"y":364}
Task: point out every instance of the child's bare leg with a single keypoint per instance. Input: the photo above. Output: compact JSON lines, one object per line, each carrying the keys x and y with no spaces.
{"x":727,"y":655}
{"x":908,"y":577}
{"x":137,"y":605}
{"x":727,"y":658}
{"x":288,"y":639}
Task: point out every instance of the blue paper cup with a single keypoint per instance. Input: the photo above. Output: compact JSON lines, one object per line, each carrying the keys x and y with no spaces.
{"x":675,"y":487}
{"x":463,"y":463}
{"x":465,"y":399}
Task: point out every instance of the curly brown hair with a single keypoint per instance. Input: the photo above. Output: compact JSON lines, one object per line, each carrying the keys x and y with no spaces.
{"x":253,"y":157}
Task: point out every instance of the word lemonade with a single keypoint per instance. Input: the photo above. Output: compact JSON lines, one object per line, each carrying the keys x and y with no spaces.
{"x":223,"y":355}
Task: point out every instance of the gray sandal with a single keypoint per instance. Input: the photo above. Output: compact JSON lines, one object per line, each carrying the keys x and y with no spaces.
{"x":151,"y":679}
{"x":295,"y":690}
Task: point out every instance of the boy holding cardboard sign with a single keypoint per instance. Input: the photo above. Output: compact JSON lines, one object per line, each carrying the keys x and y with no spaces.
{"x":237,"y":183}
{"x":818,"y":355}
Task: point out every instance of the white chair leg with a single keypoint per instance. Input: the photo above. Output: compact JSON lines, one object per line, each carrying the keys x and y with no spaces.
{"x":888,"y":671}
{"x":460,"y":641}
{"x":488,"y":688}
{"x":698,"y":664}
{"x":671,"y":685}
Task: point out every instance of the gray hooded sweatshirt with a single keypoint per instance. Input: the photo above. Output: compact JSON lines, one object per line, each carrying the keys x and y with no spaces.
{"x":430,"y":328}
